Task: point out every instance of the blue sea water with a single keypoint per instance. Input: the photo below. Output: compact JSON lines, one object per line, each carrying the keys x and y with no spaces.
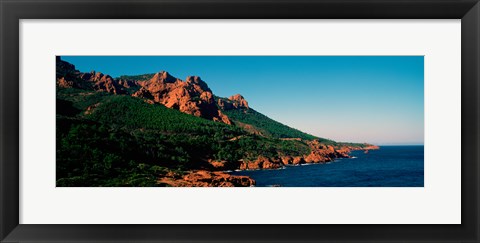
{"x":390,"y":166}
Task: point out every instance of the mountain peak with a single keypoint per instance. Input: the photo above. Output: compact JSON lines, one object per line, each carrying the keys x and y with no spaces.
{"x":193,"y":79}
{"x":191,"y":96}
{"x":196,"y":81}
{"x":164,"y":77}
{"x":239,"y":101}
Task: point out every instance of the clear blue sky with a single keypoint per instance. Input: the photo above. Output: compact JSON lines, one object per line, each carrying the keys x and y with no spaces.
{"x":375,"y":99}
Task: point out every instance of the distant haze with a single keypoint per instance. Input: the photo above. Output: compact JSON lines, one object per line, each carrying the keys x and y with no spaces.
{"x":374,"y":99}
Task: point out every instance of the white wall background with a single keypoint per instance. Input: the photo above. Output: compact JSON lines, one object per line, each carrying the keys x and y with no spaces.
{"x":437,"y":203}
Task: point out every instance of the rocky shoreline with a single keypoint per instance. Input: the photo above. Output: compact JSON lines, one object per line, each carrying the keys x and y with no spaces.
{"x":320,"y":153}
{"x":203,"y":178}
{"x":218,"y":176}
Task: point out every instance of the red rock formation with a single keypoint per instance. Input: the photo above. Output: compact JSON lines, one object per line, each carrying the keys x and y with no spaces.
{"x":234,"y":102}
{"x":202,"y":178}
{"x":192,"y":96}
{"x":321,"y":153}
{"x":68,"y":77}
{"x":102,"y":82}
{"x":260,"y":163}
{"x":343,"y":152}
{"x":218,"y":165}
{"x":222,"y":118}
{"x":298,"y":160}
{"x":239,"y":101}
{"x":317,"y":157}
{"x":63,"y":83}
{"x":287,"y":160}
{"x":371,"y":147}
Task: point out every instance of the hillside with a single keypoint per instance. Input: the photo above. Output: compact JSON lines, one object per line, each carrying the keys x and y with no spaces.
{"x":163,"y":131}
{"x":266,"y":126}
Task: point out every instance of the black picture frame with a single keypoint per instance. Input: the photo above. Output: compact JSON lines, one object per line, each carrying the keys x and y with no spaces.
{"x":12,"y":11}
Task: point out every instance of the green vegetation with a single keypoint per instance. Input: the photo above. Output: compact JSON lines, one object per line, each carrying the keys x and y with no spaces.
{"x":268,"y":126}
{"x":124,"y":141}
{"x":359,"y":145}
{"x":80,"y":98}
{"x":133,"y":113}
{"x":92,"y":154}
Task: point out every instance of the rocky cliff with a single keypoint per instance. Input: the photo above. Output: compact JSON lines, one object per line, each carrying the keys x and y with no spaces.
{"x":192,"y":96}
{"x":69,"y":77}
{"x":233,"y":102}
{"x":203,"y":178}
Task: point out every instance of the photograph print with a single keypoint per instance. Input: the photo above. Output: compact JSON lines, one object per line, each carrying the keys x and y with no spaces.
{"x":239,"y":121}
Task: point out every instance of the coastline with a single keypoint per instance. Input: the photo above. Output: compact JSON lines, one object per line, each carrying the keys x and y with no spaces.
{"x":320,"y":153}
{"x":219,"y":176}
{"x":392,"y":166}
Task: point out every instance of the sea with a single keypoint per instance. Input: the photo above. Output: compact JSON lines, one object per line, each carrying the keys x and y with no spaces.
{"x":389,"y":166}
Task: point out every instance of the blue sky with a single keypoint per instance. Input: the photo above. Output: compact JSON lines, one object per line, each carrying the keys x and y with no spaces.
{"x":375,"y":99}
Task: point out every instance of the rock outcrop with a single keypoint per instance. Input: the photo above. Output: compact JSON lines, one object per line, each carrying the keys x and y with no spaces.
{"x":102,"y":82}
{"x":66,"y":74}
{"x":321,"y":153}
{"x":371,"y":147}
{"x":261,"y":163}
{"x":298,"y":160}
{"x":192,"y":96}
{"x":234,"y":102}
{"x":203,"y":178}
{"x":69,"y":77}
{"x":239,"y":101}
{"x":64,"y":83}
